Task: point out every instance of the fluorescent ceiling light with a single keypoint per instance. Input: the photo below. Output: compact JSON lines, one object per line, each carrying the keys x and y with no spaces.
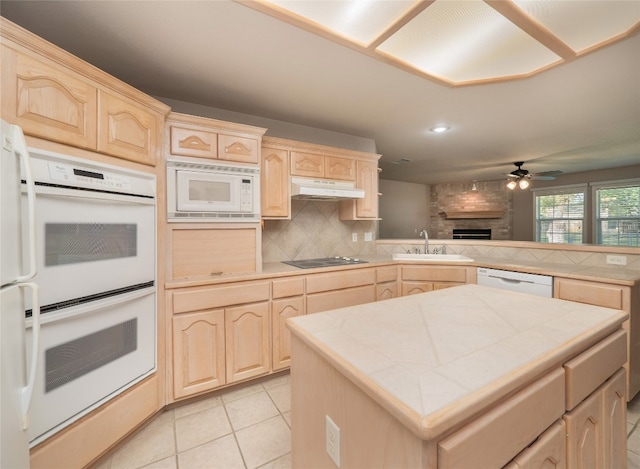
{"x":464,"y":42}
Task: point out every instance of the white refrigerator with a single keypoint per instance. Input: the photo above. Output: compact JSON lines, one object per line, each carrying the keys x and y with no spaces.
{"x":17,"y":267}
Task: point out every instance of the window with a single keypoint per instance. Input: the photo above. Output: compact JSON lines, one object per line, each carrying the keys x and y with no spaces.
{"x":560,"y":214}
{"x":617,"y":213}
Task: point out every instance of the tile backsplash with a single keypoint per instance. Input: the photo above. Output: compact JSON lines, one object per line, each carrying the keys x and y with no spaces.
{"x":315,"y":230}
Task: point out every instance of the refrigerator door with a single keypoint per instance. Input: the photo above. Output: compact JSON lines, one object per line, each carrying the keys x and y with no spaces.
{"x":10,"y":228}
{"x":14,"y":230}
{"x":14,"y":445}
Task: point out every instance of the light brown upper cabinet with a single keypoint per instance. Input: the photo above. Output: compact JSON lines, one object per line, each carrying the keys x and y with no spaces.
{"x":55,"y":96}
{"x":201,"y":137}
{"x":275,"y":198}
{"x":283,"y":158}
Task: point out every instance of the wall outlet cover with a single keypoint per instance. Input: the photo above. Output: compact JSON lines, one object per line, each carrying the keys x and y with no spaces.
{"x":616,"y":260}
{"x":354,"y":237}
{"x":333,"y":440}
{"x":368,"y":236}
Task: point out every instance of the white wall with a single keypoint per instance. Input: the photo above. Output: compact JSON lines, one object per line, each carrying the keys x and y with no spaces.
{"x":403,"y":208}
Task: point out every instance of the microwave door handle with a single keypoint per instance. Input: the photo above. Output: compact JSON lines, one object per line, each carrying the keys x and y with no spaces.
{"x":21,"y":149}
{"x":27,"y":391}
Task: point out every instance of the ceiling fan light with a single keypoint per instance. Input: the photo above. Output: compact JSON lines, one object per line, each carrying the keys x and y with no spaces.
{"x":523,"y":183}
{"x":511,"y":185}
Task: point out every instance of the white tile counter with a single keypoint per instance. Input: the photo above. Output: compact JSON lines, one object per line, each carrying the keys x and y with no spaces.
{"x":434,"y":360}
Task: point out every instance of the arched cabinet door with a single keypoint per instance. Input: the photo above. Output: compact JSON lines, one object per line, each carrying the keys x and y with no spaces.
{"x":48,"y":102}
{"x":198,"y":352}
{"x":247,"y":341}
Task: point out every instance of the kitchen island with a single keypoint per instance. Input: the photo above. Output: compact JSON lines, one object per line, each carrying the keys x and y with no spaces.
{"x":459,"y":378}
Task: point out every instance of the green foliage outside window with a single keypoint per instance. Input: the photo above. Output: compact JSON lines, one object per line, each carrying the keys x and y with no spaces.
{"x":618,"y":216}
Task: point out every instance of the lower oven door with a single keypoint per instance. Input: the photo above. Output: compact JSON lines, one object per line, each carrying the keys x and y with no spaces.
{"x":90,"y":243}
{"x":88,"y":355}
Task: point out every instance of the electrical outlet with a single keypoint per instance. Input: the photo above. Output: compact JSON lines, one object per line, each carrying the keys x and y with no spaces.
{"x":368,"y":236}
{"x":616,"y":260}
{"x":354,"y":237}
{"x":333,"y":440}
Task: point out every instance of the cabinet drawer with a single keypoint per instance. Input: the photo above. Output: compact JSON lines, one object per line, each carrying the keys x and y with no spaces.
{"x":585,"y":372}
{"x":191,"y":142}
{"x":219,"y":296}
{"x":548,"y":451}
{"x":500,"y":434}
{"x":283,"y":288}
{"x":435,"y":274}
{"x":598,"y":294}
{"x":340,"y":280}
{"x":243,"y":150}
{"x":386,"y":274}
{"x":340,"y":299}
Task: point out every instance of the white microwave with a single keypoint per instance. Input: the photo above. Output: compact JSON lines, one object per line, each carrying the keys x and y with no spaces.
{"x":211,"y":191}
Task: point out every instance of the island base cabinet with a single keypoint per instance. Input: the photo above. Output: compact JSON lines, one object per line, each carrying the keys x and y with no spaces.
{"x":596,"y":428}
{"x":548,"y":452}
{"x":369,"y":435}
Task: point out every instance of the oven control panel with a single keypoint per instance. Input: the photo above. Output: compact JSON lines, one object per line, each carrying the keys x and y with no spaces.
{"x":77,"y":175}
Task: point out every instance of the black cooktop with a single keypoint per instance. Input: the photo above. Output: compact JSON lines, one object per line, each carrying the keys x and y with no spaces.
{"x":324,"y":262}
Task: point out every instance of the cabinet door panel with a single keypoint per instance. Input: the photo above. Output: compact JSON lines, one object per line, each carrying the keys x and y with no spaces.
{"x":385,"y":291}
{"x":126,"y":131}
{"x":307,"y":164}
{"x":48,"y":102}
{"x":281,"y":310}
{"x":274,"y":183}
{"x":615,"y":420}
{"x":192,"y":142}
{"x":242,"y":150}
{"x":340,"y":168}
{"x":198,"y":352}
{"x":413,"y":288}
{"x":247,"y":341}
{"x":584,"y":434}
{"x":367,"y":179}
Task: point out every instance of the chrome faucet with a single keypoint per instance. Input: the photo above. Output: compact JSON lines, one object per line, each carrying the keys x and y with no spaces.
{"x":426,"y":241}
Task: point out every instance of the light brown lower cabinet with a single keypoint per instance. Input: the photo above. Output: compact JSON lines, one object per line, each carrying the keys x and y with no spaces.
{"x":247,"y":341}
{"x":622,"y":297}
{"x":548,"y":452}
{"x":425,"y":278}
{"x":198,"y":352}
{"x":281,"y":310}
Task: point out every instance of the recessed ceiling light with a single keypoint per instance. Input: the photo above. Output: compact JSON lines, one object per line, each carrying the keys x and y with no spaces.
{"x":438,"y":129}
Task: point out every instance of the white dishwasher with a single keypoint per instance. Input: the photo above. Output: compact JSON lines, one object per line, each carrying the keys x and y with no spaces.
{"x":541,"y":285}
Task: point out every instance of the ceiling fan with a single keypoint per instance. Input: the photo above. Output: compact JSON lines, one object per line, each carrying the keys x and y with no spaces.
{"x":520,"y":177}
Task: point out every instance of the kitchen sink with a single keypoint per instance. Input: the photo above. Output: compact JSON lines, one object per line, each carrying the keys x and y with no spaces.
{"x":431,"y":257}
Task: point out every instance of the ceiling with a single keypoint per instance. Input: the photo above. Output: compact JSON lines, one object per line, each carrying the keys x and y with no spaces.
{"x":576,"y":116}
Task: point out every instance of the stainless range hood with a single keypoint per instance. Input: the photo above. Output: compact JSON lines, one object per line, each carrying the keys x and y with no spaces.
{"x":323,"y":189}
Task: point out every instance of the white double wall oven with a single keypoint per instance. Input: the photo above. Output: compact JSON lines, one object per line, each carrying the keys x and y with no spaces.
{"x":95,"y":228}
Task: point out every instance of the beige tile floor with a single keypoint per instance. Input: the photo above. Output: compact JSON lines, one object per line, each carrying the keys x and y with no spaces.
{"x":243,"y":428}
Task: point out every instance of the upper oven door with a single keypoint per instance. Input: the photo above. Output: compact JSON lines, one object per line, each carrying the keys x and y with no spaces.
{"x":212,"y":192}
{"x":91,"y":243}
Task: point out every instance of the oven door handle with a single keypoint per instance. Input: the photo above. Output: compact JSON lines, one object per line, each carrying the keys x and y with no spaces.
{"x":27,"y":391}
{"x":94,"y":306}
{"x":86,"y":194}
{"x":21,"y":149}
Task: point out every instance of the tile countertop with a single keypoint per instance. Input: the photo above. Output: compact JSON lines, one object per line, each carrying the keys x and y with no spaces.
{"x":628,"y":276}
{"x":432,"y":364}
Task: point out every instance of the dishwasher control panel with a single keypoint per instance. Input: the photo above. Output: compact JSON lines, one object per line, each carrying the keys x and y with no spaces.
{"x":535,"y":284}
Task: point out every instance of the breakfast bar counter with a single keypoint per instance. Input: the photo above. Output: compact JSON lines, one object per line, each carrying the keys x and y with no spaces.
{"x":463,"y":377}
